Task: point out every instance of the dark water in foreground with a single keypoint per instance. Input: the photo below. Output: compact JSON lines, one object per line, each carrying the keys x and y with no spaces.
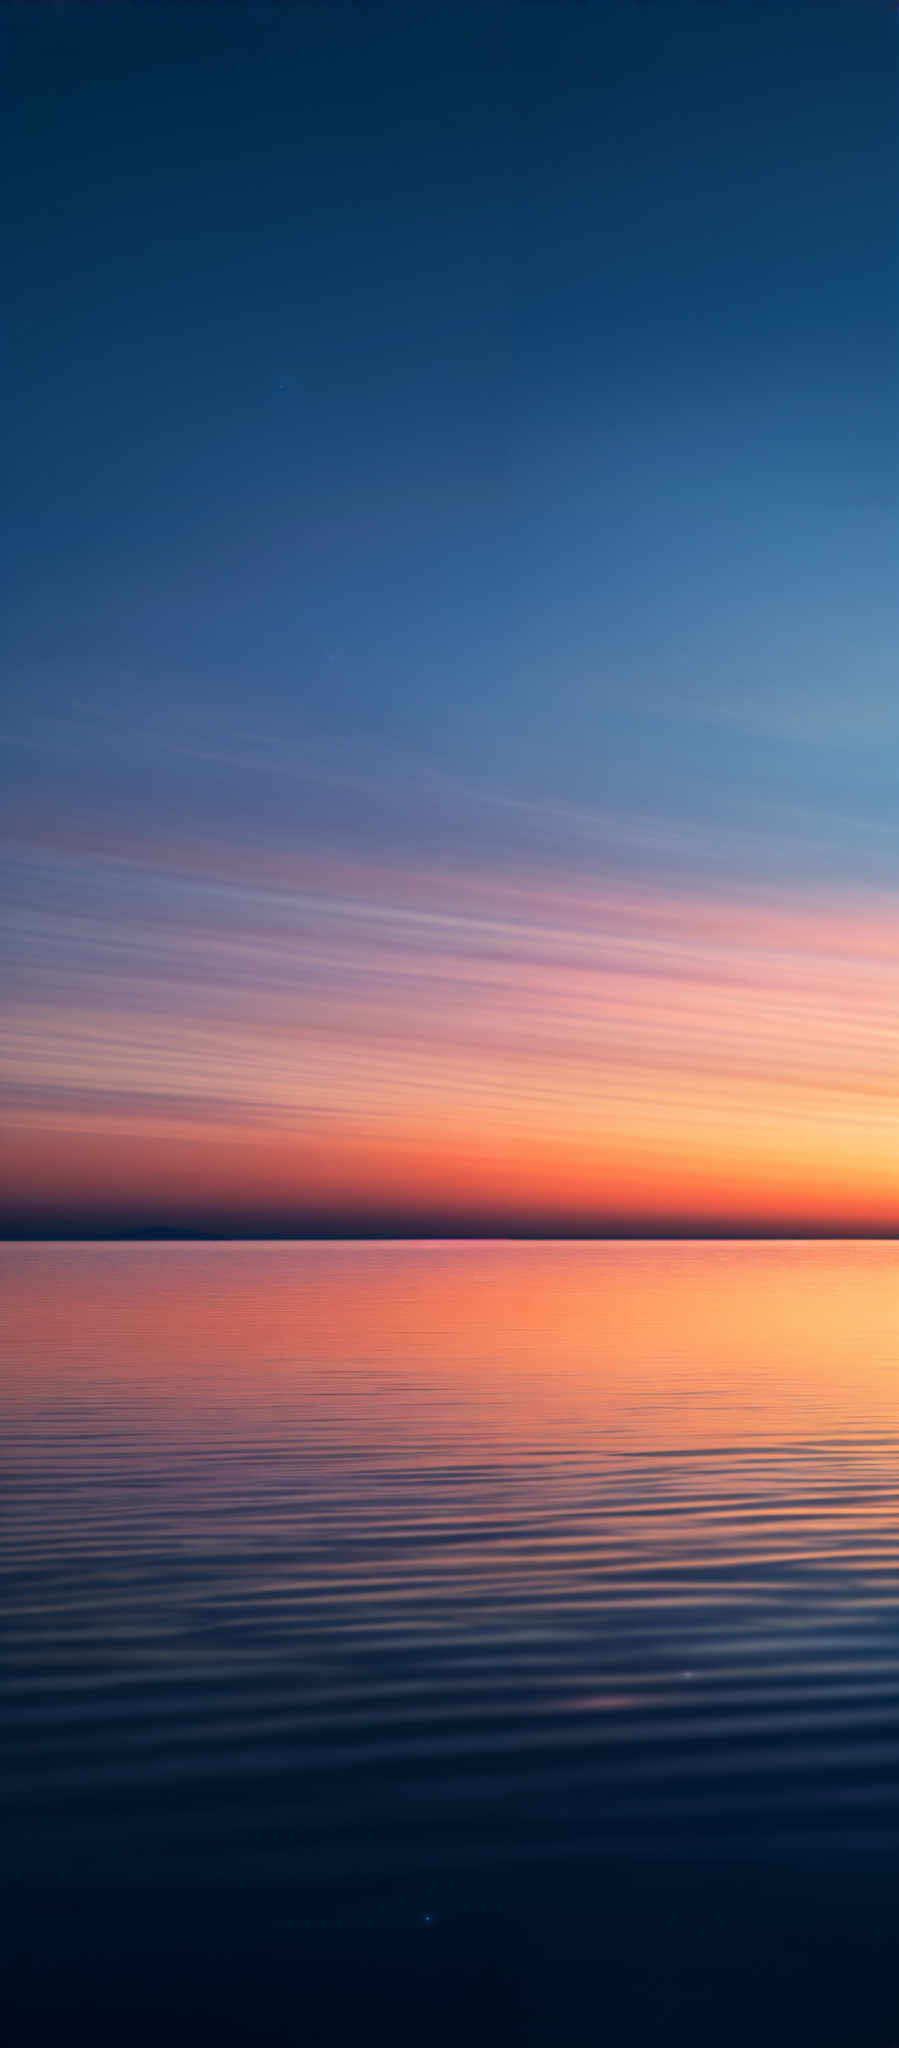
{"x":415,"y":1641}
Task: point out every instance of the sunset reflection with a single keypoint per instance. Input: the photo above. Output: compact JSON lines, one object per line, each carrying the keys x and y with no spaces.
{"x":666,"y":1346}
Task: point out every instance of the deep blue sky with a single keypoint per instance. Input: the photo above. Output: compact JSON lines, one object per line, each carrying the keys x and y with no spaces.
{"x":493,"y":402}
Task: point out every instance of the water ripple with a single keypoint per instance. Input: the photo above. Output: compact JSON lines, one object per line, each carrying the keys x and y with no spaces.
{"x":321,"y":1559}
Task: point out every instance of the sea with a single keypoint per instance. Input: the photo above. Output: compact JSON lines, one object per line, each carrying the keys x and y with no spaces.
{"x":439,"y":1641}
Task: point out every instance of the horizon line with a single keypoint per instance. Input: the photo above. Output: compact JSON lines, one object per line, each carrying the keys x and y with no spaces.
{"x":150,"y":1234}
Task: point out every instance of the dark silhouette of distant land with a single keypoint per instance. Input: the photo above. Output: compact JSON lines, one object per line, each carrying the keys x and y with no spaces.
{"x":18,"y":1226}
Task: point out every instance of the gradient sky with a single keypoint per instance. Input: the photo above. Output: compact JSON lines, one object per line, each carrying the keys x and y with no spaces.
{"x":451,"y":734}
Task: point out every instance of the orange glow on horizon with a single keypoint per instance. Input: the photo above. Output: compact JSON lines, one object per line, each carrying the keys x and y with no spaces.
{"x":462,"y":1046}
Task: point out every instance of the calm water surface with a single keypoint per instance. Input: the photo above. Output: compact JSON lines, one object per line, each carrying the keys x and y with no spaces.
{"x":510,"y":1632}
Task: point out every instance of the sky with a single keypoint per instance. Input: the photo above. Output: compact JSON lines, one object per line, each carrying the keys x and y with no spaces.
{"x":450,"y":729}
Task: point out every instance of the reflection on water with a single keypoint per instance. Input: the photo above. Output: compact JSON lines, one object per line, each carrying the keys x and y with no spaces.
{"x":369,"y":1571}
